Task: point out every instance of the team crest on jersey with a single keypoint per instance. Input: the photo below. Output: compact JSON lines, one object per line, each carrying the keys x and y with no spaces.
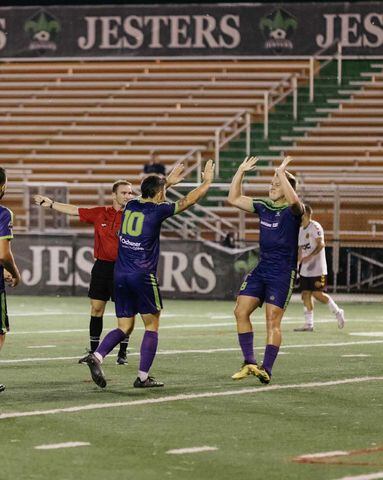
{"x":307,"y":235}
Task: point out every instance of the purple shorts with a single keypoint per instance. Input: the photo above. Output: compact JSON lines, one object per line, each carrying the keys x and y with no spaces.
{"x":136,"y":293}
{"x":269,"y":287}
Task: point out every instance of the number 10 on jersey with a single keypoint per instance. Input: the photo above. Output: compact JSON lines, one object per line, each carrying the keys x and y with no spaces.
{"x":133,"y":223}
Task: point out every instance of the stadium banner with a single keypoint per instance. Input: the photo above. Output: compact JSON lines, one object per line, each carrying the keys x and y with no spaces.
{"x":188,"y":30}
{"x":61,"y":265}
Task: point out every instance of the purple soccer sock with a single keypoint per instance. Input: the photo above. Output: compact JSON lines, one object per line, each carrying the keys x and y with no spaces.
{"x":271,"y":352}
{"x":246,"y":341}
{"x":112,"y":339}
{"x":148,"y":350}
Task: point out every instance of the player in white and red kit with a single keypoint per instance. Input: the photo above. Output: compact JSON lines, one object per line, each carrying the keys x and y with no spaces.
{"x":313,"y":271}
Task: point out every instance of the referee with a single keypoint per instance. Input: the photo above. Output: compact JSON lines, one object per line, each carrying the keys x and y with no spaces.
{"x":106,"y":222}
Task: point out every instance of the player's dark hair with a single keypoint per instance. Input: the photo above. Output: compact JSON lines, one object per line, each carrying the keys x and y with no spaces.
{"x":308,"y":208}
{"x":151,"y":185}
{"x":118,"y":183}
{"x":292,"y":180}
{"x":3,"y":176}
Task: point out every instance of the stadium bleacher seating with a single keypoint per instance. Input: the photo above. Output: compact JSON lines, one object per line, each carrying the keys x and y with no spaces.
{"x":86,"y":121}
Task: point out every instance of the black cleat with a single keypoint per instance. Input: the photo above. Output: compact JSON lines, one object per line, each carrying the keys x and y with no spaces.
{"x":121,"y":359}
{"x":2,"y":387}
{"x":96,"y":371}
{"x":148,"y":383}
{"x":83,"y":359}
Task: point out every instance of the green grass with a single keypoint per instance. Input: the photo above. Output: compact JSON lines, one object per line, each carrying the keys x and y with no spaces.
{"x":257,"y":434}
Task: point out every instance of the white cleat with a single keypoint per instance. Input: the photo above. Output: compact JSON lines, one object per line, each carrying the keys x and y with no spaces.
{"x":340,"y":318}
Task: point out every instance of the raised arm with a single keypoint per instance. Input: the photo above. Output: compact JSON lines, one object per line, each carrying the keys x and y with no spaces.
{"x":288,"y":191}
{"x":235,"y":193}
{"x":8,"y":262}
{"x":175,"y":176}
{"x":46,"y":202}
{"x":192,"y":197}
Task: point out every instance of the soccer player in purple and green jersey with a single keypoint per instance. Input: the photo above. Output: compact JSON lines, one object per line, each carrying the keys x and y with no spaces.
{"x":272,"y":281}
{"x":136,"y":286}
{"x":8,"y":269}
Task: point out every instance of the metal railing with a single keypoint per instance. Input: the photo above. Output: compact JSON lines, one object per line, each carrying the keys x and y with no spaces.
{"x":240,"y":122}
{"x":313,"y":71}
{"x":229,"y":130}
{"x":366,"y":274}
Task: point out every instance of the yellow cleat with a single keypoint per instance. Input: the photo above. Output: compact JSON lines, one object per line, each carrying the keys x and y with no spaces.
{"x":252,"y":369}
{"x":246,"y":370}
{"x":261,"y":374}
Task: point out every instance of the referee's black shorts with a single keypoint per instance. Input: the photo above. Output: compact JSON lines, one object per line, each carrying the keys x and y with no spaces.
{"x":101,"y":281}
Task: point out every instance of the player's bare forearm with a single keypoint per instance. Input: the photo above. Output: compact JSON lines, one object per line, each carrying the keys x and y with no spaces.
{"x":193,"y":197}
{"x":235,"y":193}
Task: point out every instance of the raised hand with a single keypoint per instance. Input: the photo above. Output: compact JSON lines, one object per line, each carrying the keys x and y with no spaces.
{"x":282,"y":167}
{"x":248,"y":164}
{"x":43,"y":201}
{"x":176,"y":175}
{"x":208,"y":173}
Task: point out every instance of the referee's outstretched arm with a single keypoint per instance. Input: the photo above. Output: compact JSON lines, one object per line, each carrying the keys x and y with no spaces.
{"x":47,"y":202}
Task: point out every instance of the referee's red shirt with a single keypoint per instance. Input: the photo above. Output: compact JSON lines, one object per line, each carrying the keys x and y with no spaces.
{"x":106,"y":222}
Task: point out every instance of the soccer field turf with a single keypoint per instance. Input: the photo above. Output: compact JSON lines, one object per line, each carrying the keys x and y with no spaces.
{"x":326,"y":395}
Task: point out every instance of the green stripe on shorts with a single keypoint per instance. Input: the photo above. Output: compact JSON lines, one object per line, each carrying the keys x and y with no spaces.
{"x":155,"y":291}
{"x":291,"y":288}
{"x":3,"y":314}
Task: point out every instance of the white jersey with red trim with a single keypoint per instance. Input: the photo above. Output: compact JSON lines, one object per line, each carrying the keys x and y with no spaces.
{"x":307,"y":242}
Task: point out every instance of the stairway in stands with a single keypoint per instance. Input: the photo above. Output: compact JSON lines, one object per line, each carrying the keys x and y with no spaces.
{"x":335,"y":140}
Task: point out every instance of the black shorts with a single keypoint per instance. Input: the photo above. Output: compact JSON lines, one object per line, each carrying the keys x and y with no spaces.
{"x":314,"y":284}
{"x":4,"y":323}
{"x":101,"y":281}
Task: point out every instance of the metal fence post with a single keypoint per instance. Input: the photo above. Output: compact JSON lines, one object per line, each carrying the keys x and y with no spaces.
{"x":335,"y":242}
{"x":294,"y":83}
{"x":248,"y":133}
{"x":311,"y":79}
{"x":266,"y":115}
{"x":199,"y":166}
{"x":217,"y":135}
{"x":339,"y":62}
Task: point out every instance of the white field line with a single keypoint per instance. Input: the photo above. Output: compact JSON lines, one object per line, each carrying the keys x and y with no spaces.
{"x":41,"y":346}
{"x":356,"y":355}
{"x":184,"y":397}
{"x":366,"y":334}
{"x":365,"y":476}
{"x":203,"y":351}
{"x":181,"y":451}
{"x":54,"y":446}
{"x":322,"y":455}
{"x":169,"y":327}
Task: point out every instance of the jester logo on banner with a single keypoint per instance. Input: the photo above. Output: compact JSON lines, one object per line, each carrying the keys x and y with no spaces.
{"x":278,"y":28}
{"x":42,"y":29}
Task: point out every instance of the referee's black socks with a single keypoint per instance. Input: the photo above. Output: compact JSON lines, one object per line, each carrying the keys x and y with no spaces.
{"x":95,"y":329}
{"x":123,"y":346}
